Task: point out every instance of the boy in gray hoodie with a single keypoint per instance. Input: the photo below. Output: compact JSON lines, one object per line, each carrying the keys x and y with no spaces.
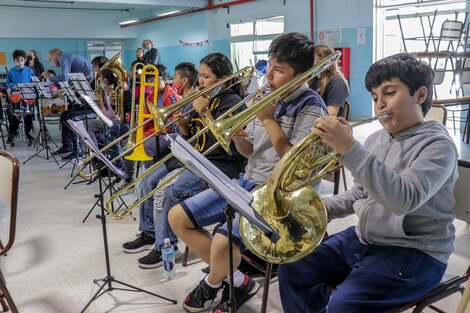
{"x":404,"y":179}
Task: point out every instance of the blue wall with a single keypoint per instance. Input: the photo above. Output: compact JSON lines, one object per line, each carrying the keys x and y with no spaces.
{"x":42,"y":47}
{"x":361,"y":59}
{"x":166,"y":34}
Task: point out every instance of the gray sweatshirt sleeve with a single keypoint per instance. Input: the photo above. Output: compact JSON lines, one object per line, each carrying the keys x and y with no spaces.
{"x":403,"y":192}
{"x":341,"y":205}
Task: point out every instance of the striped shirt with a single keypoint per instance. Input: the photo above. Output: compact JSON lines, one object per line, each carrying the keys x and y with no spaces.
{"x":295,"y":115}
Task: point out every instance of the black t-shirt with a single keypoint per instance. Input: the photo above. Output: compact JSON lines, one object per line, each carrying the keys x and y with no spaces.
{"x":231,"y":165}
{"x":336,"y":92}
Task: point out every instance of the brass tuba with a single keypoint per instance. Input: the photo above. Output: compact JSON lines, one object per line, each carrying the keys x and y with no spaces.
{"x":115,"y":65}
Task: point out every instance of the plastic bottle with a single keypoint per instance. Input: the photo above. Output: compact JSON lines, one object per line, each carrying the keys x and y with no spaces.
{"x":168,"y":257}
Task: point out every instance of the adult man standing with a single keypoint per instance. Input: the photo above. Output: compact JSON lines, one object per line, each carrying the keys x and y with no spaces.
{"x":69,"y":63}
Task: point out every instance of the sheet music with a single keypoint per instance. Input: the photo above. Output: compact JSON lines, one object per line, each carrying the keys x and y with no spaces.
{"x":44,"y":89}
{"x":80,"y":129}
{"x":97,"y":110}
{"x":65,"y":86}
{"x":207,"y":171}
{"x":28,"y":90}
{"x":82,"y":85}
{"x":236,"y":196}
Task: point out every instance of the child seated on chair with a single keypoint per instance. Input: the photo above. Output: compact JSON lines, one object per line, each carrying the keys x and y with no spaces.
{"x":153,"y":217}
{"x":19,"y":74}
{"x":404,"y":178}
{"x":276,"y":128}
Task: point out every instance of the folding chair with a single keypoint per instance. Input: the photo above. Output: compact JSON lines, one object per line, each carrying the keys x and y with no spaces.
{"x":437,"y":112}
{"x":10,"y":168}
{"x":450,"y":283}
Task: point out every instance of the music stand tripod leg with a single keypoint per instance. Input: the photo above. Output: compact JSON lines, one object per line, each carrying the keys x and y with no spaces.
{"x":109,"y":279}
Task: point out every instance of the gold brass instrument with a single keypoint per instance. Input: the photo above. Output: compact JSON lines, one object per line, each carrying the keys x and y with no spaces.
{"x":162,"y":114}
{"x":174,"y":107}
{"x":164,"y":182}
{"x":292,"y":207}
{"x":223,"y":130}
{"x":115,"y":65}
{"x":134,"y":107}
{"x":138,"y":153}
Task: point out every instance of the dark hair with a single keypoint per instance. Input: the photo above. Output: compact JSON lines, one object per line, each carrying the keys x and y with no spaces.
{"x":99,"y":61}
{"x":52,"y":72}
{"x":409,"y":70}
{"x":109,"y":75}
{"x":34,"y":52}
{"x":161,"y":70}
{"x":294,"y":49}
{"x":221,"y":66}
{"x":19,"y":53}
{"x":188,"y":70}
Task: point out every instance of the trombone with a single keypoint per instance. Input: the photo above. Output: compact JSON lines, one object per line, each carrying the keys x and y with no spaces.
{"x":224,"y":128}
{"x":161,"y":115}
{"x":165,"y":181}
{"x":140,"y":154}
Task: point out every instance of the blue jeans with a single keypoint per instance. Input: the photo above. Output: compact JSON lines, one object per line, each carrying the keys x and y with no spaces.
{"x":207,"y":208}
{"x":368,"y":278}
{"x":155,"y":222}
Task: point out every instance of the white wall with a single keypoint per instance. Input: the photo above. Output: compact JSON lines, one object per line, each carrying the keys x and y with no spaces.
{"x":42,"y":23}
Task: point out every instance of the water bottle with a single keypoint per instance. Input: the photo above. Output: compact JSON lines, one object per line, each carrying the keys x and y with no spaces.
{"x":168,"y":257}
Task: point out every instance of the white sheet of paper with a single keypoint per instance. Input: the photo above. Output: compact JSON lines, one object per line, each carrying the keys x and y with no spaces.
{"x":97,"y":110}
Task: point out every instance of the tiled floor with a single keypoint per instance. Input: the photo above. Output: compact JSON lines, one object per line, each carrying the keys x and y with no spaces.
{"x":56,"y":257}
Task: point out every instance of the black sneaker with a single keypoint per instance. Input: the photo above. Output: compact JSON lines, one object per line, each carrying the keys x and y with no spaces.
{"x":70,"y":156}
{"x":62,"y":150}
{"x":200,"y":298}
{"x":30,"y":139}
{"x":141,"y":243}
{"x":11,"y":141}
{"x":242,"y":294}
{"x":154,"y":258}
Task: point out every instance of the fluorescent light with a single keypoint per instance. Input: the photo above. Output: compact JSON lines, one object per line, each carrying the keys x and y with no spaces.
{"x":168,"y":13}
{"x":129,"y":21}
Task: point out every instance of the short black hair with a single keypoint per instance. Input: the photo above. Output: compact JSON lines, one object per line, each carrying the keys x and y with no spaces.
{"x":408,"y":69}
{"x":188,"y":70}
{"x":50,"y":71}
{"x":161,"y":70}
{"x":99,"y":61}
{"x":109,"y":75}
{"x":294,"y":49}
{"x":19,"y":53}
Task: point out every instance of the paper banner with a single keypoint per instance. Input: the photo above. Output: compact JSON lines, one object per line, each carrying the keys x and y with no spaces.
{"x":192,"y":44}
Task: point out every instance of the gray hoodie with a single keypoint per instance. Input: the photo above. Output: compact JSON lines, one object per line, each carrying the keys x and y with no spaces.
{"x":403,"y":189}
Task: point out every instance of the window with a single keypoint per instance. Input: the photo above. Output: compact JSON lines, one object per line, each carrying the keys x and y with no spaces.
{"x":417,"y":19}
{"x":249,"y":41}
{"x":106,"y":48}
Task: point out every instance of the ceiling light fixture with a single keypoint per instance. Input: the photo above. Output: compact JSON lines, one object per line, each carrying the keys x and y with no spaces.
{"x":168,"y":13}
{"x":130,"y":20}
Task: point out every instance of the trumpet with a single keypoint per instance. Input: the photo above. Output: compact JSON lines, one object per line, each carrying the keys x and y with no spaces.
{"x":167,"y":180}
{"x":160,"y":116}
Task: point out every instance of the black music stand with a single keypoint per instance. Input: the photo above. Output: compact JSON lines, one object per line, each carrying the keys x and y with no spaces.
{"x":40,"y":92}
{"x":107,"y":281}
{"x":81,"y":85}
{"x":74,"y":100}
{"x":238,"y":199}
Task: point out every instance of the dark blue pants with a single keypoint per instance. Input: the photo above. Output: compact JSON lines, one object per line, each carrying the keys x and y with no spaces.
{"x":367,"y":278}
